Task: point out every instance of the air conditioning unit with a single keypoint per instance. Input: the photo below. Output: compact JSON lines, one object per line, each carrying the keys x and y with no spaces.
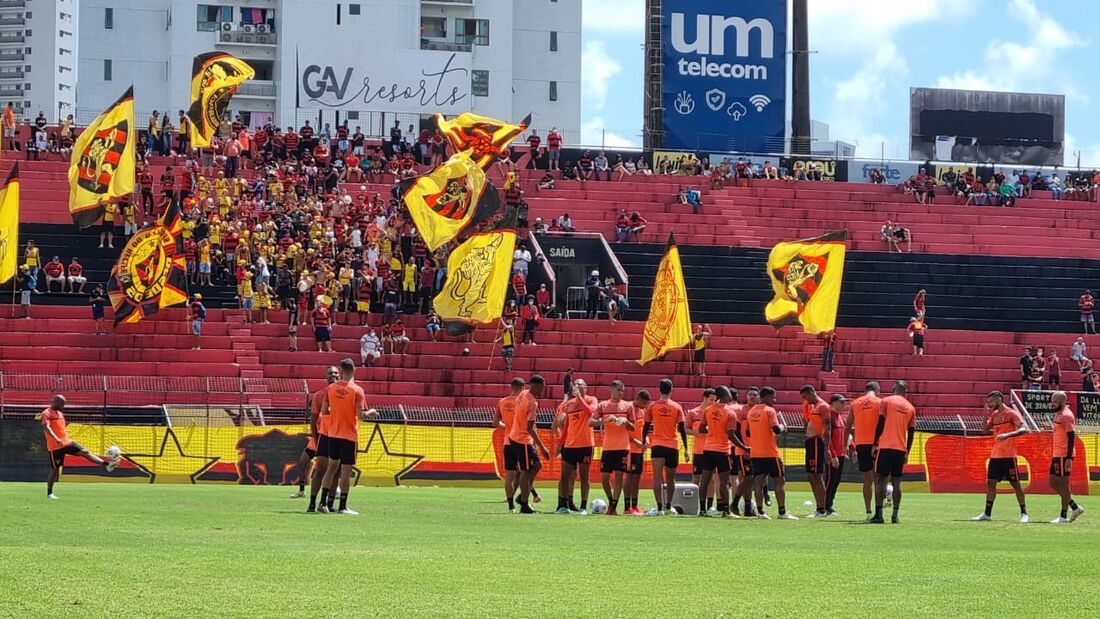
{"x":248,"y":28}
{"x":226,"y":37}
{"x":263,"y":28}
{"x":227,"y":26}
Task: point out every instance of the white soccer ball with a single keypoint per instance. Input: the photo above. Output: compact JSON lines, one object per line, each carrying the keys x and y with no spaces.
{"x":599,"y":506}
{"x":113,"y":452}
{"x":889,"y":495}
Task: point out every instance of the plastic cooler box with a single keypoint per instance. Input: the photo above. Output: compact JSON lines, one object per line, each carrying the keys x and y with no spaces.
{"x":686,"y":499}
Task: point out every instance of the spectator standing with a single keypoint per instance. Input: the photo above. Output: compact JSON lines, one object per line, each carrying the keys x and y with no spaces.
{"x":395,"y":138}
{"x":1027,"y":361}
{"x":917,"y":328}
{"x":828,"y":350}
{"x":1054,"y":370}
{"x":521,"y":259}
{"x":32,"y":257}
{"x":322,"y":325}
{"x":1087,"y":375}
{"x":1086,"y":303}
{"x":23,"y":285}
{"x":919,"y":303}
{"x":98,"y":300}
{"x":196,"y":317}
{"x":530,"y":315}
{"x":232,"y":156}
{"x":107,"y":231}
{"x":592,"y":290}
{"x":700,"y":342}
{"x":553,"y":148}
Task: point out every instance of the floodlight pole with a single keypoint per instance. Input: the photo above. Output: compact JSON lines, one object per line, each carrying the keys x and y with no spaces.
{"x":800,"y":79}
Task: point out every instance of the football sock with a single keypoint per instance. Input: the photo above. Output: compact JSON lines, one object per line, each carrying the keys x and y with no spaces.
{"x":878,"y":511}
{"x":562,"y":503}
{"x":324,"y":496}
{"x":301,"y":486}
{"x":343,"y":501}
{"x":710,"y":503}
{"x":612,"y":504}
{"x":511,"y":502}
{"x":1063,"y":513}
{"x":571,"y":505}
{"x":584,"y":504}
{"x":535,"y":493}
{"x":1023,"y":508}
{"x":312,"y":502}
{"x":49,"y":488}
{"x":782,"y":510}
{"x":989,"y":508}
{"x":1073,"y":504}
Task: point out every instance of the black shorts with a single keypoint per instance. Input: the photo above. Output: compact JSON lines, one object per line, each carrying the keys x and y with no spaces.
{"x":312,"y":453}
{"x":97,"y":313}
{"x":341,"y":449}
{"x":918,"y":340}
{"x":697,"y":463}
{"x":57,"y":456}
{"x":637,"y":464}
{"x":816,"y":460}
{"x":715,"y":461}
{"x":889,"y":462}
{"x":864,"y":458}
{"x":1061,"y":467}
{"x":1002,"y":469}
{"x":322,"y":445}
{"x":701,"y":355}
{"x":520,"y":457}
{"x":576,"y":456}
{"x":108,"y":226}
{"x":614,"y":460}
{"x":742,"y":465}
{"x":772,"y":467}
{"x":322,"y":334}
{"x":670,"y":455}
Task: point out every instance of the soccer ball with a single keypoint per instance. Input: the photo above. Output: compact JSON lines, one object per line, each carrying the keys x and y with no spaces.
{"x":465,"y":352}
{"x":889,"y":495}
{"x":113,"y":452}
{"x":599,"y":506}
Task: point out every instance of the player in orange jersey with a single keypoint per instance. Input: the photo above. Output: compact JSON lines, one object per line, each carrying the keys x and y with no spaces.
{"x":60,"y":445}
{"x":616,"y":417}
{"x":1005,"y":424}
{"x":309,"y":454}
{"x":897,"y":423}
{"x":580,"y":444}
{"x":721,"y":428}
{"x":862,"y":419}
{"x":662,"y":421}
{"x":503,"y":417}
{"x":636,"y":466}
{"x":522,"y":439}
{"x":764,"y":427}
{"x":817,"y":415}
{"x":1065,"y":437}
{"x":344,"y":405}
{"x":693,"y":419}
{"x":743,"y":457}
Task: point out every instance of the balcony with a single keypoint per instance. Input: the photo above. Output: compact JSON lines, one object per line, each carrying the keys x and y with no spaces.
{"x":14,"y":40}
{"x":448,"y":2}
{"x":443,"y":45}
{"x":8,"y":75}
{"x":238,"y":37}
{"x":16,"y":57}
{"x":12,"y":21}
{"x":257,"y":88}
{"x":11,"y":92}
{"x":13,"y":4}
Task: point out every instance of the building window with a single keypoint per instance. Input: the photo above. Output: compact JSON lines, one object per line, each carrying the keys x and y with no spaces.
{"x":27,"y":69}
{"x":479,"y":83}
{"x":27,"y":15}
{"x":553,"y":41}
{"x":354,"y":9}
{"x":553,"y":91}
{"x":107,"y":70}
{"x":27,"y":51}
{"x":27,"y":33}
{"x":210,"y":16}
{"x":353,"y":115}
{"x":433,"y":27}
{"x":109,"y":18}
{"x":26,"y":87}
{"x":472,"y":31}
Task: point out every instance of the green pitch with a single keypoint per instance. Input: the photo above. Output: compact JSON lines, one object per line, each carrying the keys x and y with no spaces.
{"x":128,"y":550}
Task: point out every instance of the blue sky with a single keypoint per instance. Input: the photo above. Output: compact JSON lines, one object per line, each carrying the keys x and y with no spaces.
{"x":869,"y":53}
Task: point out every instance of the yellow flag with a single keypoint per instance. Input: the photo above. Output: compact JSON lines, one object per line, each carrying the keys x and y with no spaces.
{"x":102,"y":165}
{"x":482,"y":136}
{"x":806,"y":277}
{"x":151,"y":272}
{"x":449,"y":198}
{"x":214,"y":80}
{"x":478,"y":274}
{"x":9,"y":225}
{"x":669,"y":324}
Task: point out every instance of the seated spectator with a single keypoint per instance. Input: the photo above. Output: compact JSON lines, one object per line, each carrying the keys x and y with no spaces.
{"x":540,"y":226}
{"x":643,"y":167}
{"x":877,"y":177}
{"x":602,"y":167}
{"x":569,"y":171}
{"x":433,"y":323}
{"x":692,"y":197}
{"x":717,"y":179}
{"x":663,"y":166}
{"x":619,"y":167}
{"x":395,"y":336}
{"x":370,"y":348}
{"x":894,"y":235}
{"x":1040,"y":182}
{"x":1055,"y":186}
{"x":76,"y":276}
{"x":1008,"y":193}
{"x":962,"y":192}
{"x":930,"y":191}
{"x":622,"y":227}
{"x":566,"y":223}
{"x":1077,"y":350}
{"x":55,"y":272}
{"x":544,"y":301}
{"x":949,"y":178}
{"x":1023,"y":185}
{"x":637,"y":225}
{"x":585,"y":166}
{"x":770,"y":172}
{"x":547,"y":181}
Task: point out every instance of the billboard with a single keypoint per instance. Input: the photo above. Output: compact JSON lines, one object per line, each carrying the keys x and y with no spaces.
{"x":970,"y":126}
{"x":725,"y":74}
{"x":895,"y":172}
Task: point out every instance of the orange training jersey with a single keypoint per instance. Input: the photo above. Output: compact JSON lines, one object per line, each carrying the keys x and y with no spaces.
{"x":665,"y":415}
{"x":579,"y":433}
{"x":742,"y":418}
{"x":694,"y":419}
{"x":526,"y":409}
{"x":506,"y":407}
{"x":615,"y":437}
{"x":1002,"y":422}
{"x":55,"y":420}
{"x":1064,"y":422}
{"x":900,"y":416}
{"x":720,"y":418}
{"x":345,"y":400}
{"x":864,"y":417}
{"x":815,"y":416}
{"x":639,"y":429}
{"x":762,"y":442}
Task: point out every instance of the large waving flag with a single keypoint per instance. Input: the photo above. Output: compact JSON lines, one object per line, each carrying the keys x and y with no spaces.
{"x":151,"y":272}
{"x":214,"y":80}
{"x":478,"y":273}
{"x":806,"y":277}
{"x":102,"y":164}
{"x":669,"y":324}
{"x":448,"y":199}
{"x":9,"y":225}
{"x":482,"y":136}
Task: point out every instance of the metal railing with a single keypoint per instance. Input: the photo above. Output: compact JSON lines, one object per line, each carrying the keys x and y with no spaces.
{"x":248,"y":38}
{"x":256,"y":88}
{"x":445,"y":46}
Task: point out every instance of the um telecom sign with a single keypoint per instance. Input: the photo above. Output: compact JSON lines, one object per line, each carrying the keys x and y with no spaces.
{"x":725,"y":74}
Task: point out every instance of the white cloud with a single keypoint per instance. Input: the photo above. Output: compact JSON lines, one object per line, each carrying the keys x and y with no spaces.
{"x":597,"y":70}
{"x":613,"y":15}
{"x":594,"y":134}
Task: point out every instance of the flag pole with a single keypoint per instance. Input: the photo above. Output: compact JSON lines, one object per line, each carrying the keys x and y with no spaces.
{"x":493,"y":350}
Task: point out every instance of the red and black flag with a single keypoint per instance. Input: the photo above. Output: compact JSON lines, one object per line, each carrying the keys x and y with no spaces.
{"x":102,"y":163}
{"x":151,"y":272}
{"x":214,"y":80}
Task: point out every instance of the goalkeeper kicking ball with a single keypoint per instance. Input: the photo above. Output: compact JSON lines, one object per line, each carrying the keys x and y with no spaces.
{"x":113,"y":452}
{"x":599,"y":506}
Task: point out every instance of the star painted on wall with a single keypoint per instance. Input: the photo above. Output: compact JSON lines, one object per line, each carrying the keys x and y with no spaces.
{"x":385,"y":460}
{"x":171,"y":461}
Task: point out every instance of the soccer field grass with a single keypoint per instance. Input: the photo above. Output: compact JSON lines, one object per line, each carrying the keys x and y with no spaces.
{"x":127,"y":550}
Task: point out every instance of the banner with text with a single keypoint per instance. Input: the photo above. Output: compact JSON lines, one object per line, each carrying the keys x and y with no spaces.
{"x":725,"y":74}
{"x":895,"y":172}
{"x":414,"y":82}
